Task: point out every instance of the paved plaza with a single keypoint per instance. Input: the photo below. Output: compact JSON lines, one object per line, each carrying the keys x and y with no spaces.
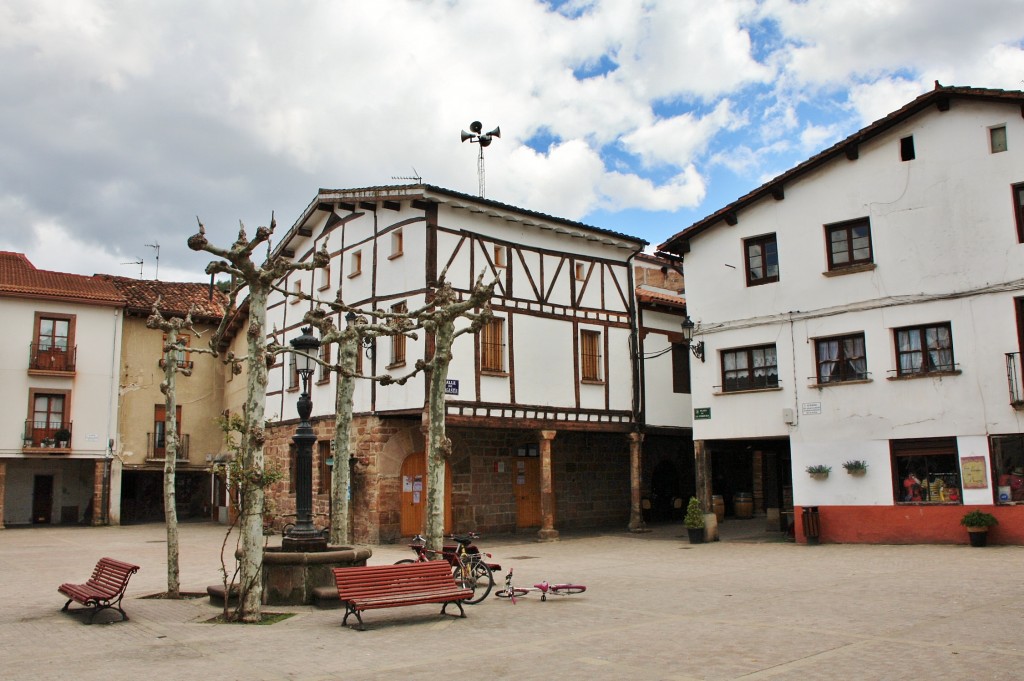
{"x":748,"y":607}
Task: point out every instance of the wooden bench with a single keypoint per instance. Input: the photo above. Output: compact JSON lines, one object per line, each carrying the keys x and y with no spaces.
{"x":390,"y":586}
{"x":103,"y":590}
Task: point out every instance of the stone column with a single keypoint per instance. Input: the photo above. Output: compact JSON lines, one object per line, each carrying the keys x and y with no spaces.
{"x":114,"y":511}
{"x":547,"y":530}
{"x":98,"y":496}
{"x":636,"y":519}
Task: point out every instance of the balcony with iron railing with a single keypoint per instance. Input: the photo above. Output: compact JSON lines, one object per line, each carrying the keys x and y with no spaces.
{"x":156,"y":447}
{"x":49,"y":358}
{"x":1013,"y":380}
{"x":47,"y":435}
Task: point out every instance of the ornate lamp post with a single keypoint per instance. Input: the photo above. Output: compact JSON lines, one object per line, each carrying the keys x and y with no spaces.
{"x":303,"y":537}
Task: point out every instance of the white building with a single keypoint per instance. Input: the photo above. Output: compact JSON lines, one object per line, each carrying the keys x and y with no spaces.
{"x":548,"y":388}
{"x":869,"y":305}
{"x":59,"y":383}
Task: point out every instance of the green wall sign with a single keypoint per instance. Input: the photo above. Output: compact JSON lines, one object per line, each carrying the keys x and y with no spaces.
{"x":701,"y":413}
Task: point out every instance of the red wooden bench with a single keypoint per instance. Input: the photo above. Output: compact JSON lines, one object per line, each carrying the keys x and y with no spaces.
{"x":104,"y":589}
{"x":390,"y":586}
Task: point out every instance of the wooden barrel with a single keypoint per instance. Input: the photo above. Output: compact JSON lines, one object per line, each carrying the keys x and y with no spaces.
{"x":718,"y":503}
{"x":743,"y":505}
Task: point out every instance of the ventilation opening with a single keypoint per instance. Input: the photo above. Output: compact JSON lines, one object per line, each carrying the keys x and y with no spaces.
{"x":907,"y":149}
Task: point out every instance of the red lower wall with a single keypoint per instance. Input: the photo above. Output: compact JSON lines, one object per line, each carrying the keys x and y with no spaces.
{"x":909,"y":524}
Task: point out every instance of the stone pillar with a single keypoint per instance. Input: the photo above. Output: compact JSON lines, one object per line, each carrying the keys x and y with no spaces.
{"x":114,"y":509}
{"x":547,"y":530}
{"x":636,"y":518}
{"x":3,"y":491}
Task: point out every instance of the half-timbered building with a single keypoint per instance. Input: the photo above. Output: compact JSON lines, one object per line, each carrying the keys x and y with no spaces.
{"x":547,"y":390}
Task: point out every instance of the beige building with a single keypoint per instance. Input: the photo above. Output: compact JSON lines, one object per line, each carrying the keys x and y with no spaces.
{"x":137,"y":477}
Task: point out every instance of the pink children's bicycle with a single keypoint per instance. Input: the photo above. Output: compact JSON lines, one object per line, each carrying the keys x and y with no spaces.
{"x":512,"y":592}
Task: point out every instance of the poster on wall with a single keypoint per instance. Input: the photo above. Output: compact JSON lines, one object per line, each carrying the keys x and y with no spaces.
{"x":974,"y":474}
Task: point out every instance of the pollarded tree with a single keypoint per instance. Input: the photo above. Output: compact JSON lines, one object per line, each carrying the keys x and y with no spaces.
{"x":256,"y":280}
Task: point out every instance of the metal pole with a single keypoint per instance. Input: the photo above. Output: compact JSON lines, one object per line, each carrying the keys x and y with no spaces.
{"x":303,"y":537}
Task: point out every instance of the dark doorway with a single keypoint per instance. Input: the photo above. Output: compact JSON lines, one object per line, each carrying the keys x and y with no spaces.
{"x":664,"y":491}
{"x":142,"y":496}
{"x":42,"y":500}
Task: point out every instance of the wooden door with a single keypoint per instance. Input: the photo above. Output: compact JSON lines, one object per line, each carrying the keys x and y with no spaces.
{"x":42,"y":499}
{"x":526,"y":483}
{"x":414,"y":495}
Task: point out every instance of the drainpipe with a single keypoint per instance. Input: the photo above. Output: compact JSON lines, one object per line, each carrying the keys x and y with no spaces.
{"x":634,"y":346}
{"x":113,"y":399}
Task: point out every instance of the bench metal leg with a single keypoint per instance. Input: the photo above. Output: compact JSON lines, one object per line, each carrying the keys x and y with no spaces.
{"x":462,"y":611}
{"x":351,"y":611}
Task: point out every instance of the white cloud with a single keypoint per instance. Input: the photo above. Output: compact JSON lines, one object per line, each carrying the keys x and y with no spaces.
{"x":677,"y":140}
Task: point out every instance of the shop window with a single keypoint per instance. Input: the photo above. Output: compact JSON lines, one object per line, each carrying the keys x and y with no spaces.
{"x":927,"y":471}
{"x":1008,"y":467}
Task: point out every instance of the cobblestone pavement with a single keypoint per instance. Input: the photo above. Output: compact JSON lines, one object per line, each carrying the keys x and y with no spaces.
{"x":747,"y":607}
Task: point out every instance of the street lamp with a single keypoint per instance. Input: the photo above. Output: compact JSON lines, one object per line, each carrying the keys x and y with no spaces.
{"x":698,"y":349}
{"x":304,"y":537}
{"x":366,"y":341}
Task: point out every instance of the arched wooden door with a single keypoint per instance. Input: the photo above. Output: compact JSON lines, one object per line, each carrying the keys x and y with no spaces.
{"x":414,"y":495}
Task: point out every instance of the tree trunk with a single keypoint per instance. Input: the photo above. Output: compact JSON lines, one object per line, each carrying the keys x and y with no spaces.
{"x":251,"y":512}
{"x":438,"y":445}
{"x":170,"y":461}
{"x":341,"y":531}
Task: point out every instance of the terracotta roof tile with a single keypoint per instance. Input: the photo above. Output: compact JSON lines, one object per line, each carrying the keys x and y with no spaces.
{"x":175,"y":297}
{"x":19,"y":277}
{"x":646,"y":296}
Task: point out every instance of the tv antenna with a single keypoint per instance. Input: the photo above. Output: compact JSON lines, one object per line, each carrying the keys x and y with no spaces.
{"x":156,"y":246}
{"x":135,"y":262}
{"x":484,"y":139}
{"x":415,"y":176}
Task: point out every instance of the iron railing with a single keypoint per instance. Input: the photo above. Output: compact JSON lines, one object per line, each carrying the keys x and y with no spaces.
{"x":156,"y":449}
{"x":47,"y":435}
{"x":49,"y":357}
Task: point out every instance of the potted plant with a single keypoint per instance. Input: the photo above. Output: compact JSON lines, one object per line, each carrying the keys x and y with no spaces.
{"x":694,"y":521}
{"x":977,"y":524}
{"x":63,"y":437}
{"x":819,"y":472}
{"x":856,"y":467}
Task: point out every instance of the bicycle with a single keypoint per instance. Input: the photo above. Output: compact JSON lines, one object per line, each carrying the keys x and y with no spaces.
{"x":469,"y":565}
{"x":513,"y":592}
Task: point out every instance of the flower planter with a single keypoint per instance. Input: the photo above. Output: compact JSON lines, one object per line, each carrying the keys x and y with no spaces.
{"x":858,"y":472}
{"x":696,"y":534}
{"x":978,"y":536}
{"x":818,"y":476}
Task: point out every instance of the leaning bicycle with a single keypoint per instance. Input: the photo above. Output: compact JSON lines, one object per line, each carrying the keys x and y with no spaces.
{"x":469,"y":565}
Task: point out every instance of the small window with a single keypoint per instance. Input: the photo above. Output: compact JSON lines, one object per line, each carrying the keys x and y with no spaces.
{"x":324,"y":374}
{"x":680,"y":368}
{"x":397,"y":244}
{"x":1018,"y":209}
{"x":849,"y":243}
{"x":762,"y":259}
{"x":293,"y":372}
{"x":296,"y":292}
{"x":924,"y":349}
{"x":398,"y":341}
{"x":355,"y":264}
{"x":590,"y":355}
{"x":927,"y":471}
{"x":325,"y":277}
{"x":753,"y":368}
{"x":997,"y":139}
{"x":580,"y":271}
{"x":907,"y":149}
{"x":841,"y":358}
{"x":499,"y":256}
{"x":324,"y":467}
{"x":181,"y":354}
{"x":492,"y":346}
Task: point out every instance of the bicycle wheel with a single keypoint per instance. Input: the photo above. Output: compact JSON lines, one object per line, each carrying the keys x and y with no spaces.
{"x":405,"y":561}
{"x":514,"y":592}
{"x":567,"y":589}
{"x":483,"y":581}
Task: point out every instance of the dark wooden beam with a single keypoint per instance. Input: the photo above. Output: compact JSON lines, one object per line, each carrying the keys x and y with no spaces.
{"x":419,"y":204}
{"x":942,"y":104}
{"x":288,"y":253}
{"x":778,"y":192}
{"x":325,"y":206}
{"x":368,"y":205}
{"x":731,"y":219}
{"x":305,"y":230}
{"x":350,"y":207}
{"x":853,"y":152}
{"x":392,"y":205}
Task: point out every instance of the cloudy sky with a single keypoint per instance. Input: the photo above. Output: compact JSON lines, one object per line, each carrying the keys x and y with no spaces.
{"x":122,"y":121}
